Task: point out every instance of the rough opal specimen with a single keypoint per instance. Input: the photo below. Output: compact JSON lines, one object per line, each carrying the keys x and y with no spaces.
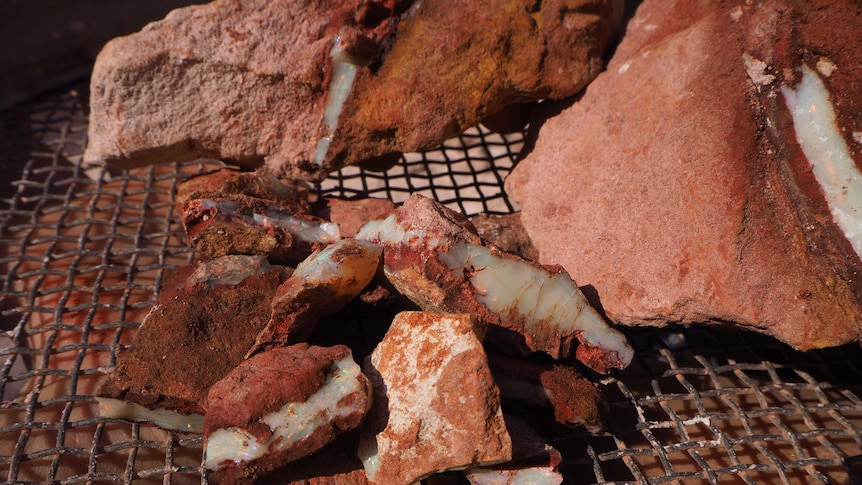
{"x":711,"y":174}
{"x":320,"y":285}
{"x":433,"y":256}
{"x":280,"y":406}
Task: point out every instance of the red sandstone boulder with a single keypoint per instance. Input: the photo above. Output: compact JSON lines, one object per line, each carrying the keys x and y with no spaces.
{"x":305,"y":87}
{"x":687,"y":189}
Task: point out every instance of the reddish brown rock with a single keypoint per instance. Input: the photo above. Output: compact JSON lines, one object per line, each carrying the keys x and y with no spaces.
{"x":320,"y":285}
{"x":280,"y":406}
{"x":203,"y":323}
{"x":506,"y":232}
{"x":470,"y":60}
{"x":435,"y":407}
{"x":351,"y":214}
{"x":252,"y":213}
{"x":682,"y":193}
{"x":576,"y":401}
{"x":259,"y":83}
{"x":433,"y":256}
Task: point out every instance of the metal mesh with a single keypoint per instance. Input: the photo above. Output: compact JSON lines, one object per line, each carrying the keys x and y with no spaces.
{"x":84,"y":255}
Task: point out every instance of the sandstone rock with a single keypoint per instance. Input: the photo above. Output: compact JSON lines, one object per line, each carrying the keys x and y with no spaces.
{"x":435,"y":406}
{"x":534,"y":461}
{"x":351,"y":214}
{"x":203,"y":323}
{"x":320,"y":285}
{"x":228,"y":212}
{"x":683,"y":179}
{"x":280,"y":406}
{"x":433,"y":256}
{"x":306,"y":87}
{"x":576,"y":401}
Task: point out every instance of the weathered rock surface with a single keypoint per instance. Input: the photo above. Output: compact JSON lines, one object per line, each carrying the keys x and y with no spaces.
{"x":320,"y":285}
{"x":684,"y":183}
{"x":252,"y":213}
{"x":433,"y":256}
{"x":203,"y":323}
{"x":306,"y":87}
{"x":435,"y":406}
{"x":576,"y":401}
{"x":280,"y":406}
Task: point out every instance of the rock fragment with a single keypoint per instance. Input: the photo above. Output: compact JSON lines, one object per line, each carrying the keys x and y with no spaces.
{"x":352,"y":214}
{"x":320,"y":285}
{"x":303,"y":88}
{"x":280,"y":406}
{"x":203,"y":323}
{"x":692,"y":193}
{"x":576,"y":400}
{"x":229,"y":212}
{"x":506,"y":232}
{"x":534,"y":461}
{"x":435,"y":407}
{"x":433,"y":256}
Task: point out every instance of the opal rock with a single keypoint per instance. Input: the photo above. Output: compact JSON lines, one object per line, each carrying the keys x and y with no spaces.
{"x":683,"y":186}
{"x":228,"y":212}
{"x":305,"y":87}
{"x":203,"y":323}
{"x":320,"y":285}
{"x":280,"y":406}
{"x":433,"y":256}
{"x":435,"y":407}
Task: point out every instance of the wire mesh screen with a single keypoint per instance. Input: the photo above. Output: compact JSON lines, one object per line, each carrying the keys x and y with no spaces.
{"x":84,"y":255}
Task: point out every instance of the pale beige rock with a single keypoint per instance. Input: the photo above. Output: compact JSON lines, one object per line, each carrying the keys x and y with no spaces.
{"x":435,"y":404}
{"x":676,"y":186}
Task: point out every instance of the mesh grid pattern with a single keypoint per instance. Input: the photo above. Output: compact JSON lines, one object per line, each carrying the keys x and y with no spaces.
{"x":84,"y":255}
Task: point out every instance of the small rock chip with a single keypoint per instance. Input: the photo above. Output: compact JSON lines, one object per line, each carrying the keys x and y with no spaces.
{"x":534,"y":461}
{"x":229,"y":212}
{"x":506,"y":232}
{"x":280,"y":406}
{"x":436,"y":406}
{"x":351,"y":214}
{"x":320,"y":285}
{"x":575,"y":399}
